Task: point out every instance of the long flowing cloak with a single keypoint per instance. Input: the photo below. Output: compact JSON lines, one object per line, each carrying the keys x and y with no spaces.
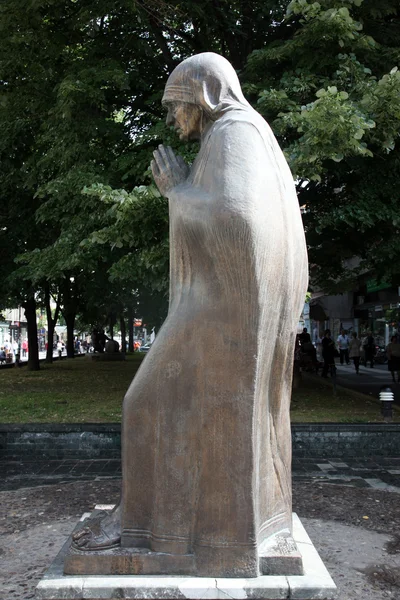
{"x":206,"y":431}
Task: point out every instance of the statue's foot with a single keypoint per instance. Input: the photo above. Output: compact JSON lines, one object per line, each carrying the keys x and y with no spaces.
{"x":100,"y":533}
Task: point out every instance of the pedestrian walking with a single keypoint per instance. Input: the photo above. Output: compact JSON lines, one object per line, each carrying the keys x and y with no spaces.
{"x":369,"y":349}
{"x":24,"y":347}
{"x":393,"y":354}
{"x":60,"y":348}
{"x":328,"y":352}
{"x":355,"y":351}
{"x":304,"y":337}
{"x":343,"y":343}
{"x":3,"y":356}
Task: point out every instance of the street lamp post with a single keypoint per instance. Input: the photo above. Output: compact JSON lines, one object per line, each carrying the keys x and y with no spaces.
{"x":387,"y":398}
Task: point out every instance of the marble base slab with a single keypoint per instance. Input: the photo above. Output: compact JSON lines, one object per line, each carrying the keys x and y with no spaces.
{"x":315,"y":584}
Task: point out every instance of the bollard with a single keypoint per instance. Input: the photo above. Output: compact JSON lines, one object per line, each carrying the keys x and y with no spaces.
{"x":386,"y":397}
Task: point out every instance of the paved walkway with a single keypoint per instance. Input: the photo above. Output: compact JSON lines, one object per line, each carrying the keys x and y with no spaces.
{"x":351,"y":510}
{"x":368,"y":382}
{"x":380,"y":474}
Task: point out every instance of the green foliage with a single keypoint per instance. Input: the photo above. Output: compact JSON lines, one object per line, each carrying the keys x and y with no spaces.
{"x":80,"y":92}
{"x":138,"y":222}
{"x":331,"y":92}
{"x":331,"y":127}
{"x":80,"y":115}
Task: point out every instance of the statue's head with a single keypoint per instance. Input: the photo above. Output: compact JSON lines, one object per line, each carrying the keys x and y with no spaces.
{"x":199,"y":90}
{"x":187,"y":119}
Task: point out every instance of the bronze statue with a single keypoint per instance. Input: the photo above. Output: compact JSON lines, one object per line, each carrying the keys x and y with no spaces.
{"x":206,"y":447}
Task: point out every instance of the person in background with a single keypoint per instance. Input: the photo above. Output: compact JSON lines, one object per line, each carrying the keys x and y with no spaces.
{"x":304,"y":337}
{"x":369,"y":349}
{"x":24,"y":347}
{"x":328,"y":352}
{"x":393,"y":354}
{"x":355,"y":351}
{"x":2,"y":355}
{"x":343,"y":343}
{"x":60,"y":348}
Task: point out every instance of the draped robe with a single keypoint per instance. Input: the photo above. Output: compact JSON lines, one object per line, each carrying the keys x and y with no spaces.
{"x":206,"y":432}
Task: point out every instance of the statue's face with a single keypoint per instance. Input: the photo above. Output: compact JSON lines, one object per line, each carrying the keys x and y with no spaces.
{"x":187,"y":119}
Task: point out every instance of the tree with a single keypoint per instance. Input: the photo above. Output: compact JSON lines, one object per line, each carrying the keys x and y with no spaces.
{"x":331,"y":92}
{"x":80,"y":108}
{"x":51,"y":319}
{"x":325,"y":77}
{"x":79,"y":82}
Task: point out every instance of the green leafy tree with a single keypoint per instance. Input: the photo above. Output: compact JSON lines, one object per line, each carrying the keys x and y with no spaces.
{"x":80,"y":108}
{"x":81,"y":86}
{"x":331,"y":93}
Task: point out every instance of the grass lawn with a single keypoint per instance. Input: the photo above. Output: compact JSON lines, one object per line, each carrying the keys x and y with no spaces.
{"x":80,"y":390}
{"x":67,"y":391}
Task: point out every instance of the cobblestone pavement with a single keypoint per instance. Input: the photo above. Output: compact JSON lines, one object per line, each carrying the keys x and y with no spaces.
{"x":350,"y":510}
{"x":380,"y":473}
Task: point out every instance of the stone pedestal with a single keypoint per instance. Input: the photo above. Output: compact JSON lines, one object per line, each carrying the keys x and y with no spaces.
{"x":314,"y":584}
{"x":277,"y":556}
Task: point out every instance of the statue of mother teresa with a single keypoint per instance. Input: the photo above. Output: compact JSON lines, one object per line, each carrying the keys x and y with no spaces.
{"x":206,"y":445}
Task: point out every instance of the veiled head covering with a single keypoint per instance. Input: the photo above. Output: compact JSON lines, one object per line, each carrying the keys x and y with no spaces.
{"x":207,"y":80}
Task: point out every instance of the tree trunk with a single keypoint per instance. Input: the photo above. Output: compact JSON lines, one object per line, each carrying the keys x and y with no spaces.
{"x":69,"y":291}
{"x":33,"y":348}
{"x":296,"y":378}
{"x":130,"y":333}
{"x":50,"y":341}
{"x":51,"y":323}
{"x":70,"y":322}
{"x":111,"y":326}
{"x":123,"y":334}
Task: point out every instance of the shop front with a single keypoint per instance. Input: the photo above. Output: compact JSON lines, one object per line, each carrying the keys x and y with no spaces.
{"x":4,"y":332}
{"x":382,"y":320}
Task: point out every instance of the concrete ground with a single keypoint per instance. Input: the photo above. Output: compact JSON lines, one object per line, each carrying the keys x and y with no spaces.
{"x":380,"y":473}
{"x":350,"y":510}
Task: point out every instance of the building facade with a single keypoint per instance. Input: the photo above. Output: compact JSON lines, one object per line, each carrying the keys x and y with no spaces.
{"x":14,"y":327}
